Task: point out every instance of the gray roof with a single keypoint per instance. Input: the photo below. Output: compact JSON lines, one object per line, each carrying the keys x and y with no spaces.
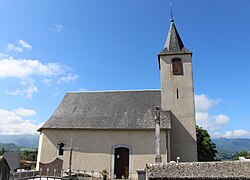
{"x":12,"y":159}
{"x":108,"y":110}
{"x":173,"y":43}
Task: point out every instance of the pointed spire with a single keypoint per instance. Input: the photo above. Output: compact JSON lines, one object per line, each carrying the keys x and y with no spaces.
{"x":174,"y":44}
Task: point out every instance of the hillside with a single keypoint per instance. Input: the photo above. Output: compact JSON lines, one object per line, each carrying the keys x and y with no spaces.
{"x":233,"y":145}
{"x":9,"y":147}
{"x":227,"y":148}
{"x":27,"y":140}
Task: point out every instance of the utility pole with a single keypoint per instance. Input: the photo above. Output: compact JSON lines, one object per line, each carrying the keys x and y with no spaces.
{"x":70,"y":149}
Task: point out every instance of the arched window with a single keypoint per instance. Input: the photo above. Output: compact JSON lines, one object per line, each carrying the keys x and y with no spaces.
{"x":60,"y":149}
{"x":177,"y":68}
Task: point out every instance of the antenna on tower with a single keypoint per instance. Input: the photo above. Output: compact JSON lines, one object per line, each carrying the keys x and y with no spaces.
{"x":171,"y":12}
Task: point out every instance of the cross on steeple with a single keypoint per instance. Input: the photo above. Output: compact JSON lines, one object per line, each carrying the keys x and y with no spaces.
{"x":70,"y":149}
{"x":171,"y":12}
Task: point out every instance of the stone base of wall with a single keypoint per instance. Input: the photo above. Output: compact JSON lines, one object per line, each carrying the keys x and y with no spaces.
{"x":199,"y":170}
{"x":205,"y":178}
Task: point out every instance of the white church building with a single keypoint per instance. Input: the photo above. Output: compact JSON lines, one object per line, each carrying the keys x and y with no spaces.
{"x":115,"y":130}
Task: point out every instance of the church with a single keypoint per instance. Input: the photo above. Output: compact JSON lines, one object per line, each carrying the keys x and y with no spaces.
{"x":115,"y":130}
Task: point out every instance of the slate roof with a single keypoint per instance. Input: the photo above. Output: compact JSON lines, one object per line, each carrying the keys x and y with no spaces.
{"x":108,"y":110}
{"x":12,"y":159}
{"x":173,"y":43}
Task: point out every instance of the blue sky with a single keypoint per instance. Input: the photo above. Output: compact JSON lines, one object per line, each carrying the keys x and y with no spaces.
{"x":48,"y":48}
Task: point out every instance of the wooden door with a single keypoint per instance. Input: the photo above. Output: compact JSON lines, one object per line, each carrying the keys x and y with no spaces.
{"x":121,"y":162}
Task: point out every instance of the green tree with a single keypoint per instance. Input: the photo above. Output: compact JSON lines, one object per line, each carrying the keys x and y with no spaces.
{"x":2,"y":151}
{"x":28,"y":155}
{"x":242,"y":154}
{"x":205,"y":147}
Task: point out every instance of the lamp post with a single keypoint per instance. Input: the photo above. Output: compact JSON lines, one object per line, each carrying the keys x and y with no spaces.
{"x":158,"y":158}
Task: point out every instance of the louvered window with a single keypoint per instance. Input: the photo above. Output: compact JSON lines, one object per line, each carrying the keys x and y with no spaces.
{"x":177,"y":66}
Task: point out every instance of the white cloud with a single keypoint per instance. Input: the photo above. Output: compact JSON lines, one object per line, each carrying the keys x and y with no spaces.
{"x":56,"y":28}
{"x":31,"y":71}
{"x":25,"y":112}
{"x":47,"y":82}
{"x":3,"y":55}
{"x":241,"y":132}
{"x":12,"y":47}
{"x":27,"y":70}
{"x":21,"y":45}
{"x":214,"y":122}
{"x":210,"y":122}
{"x":24,"y":44}
{"x":238,"y":133}
{"x":26,"y":93}
{"x":221,"y":119}
{"x":68,"y":78}
{"x":204,"y":103}
{"x":24,"y":68}
{"x":13,"y":122}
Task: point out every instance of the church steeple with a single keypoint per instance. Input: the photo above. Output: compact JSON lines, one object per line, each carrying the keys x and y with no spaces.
{"x":174,"y":43}
{"x":177,"y":95}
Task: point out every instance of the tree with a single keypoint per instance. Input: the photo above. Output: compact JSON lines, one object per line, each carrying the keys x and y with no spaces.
{"x":2,"y":151}
{"x":242,"y":154}
{"x":28,"y":155}
{"x":205,"y":147}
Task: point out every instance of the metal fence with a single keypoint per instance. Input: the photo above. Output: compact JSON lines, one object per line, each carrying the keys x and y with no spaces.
{"x":77,"y":175}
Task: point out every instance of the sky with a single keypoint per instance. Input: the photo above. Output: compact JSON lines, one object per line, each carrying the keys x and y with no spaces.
{"x":48,"y":48}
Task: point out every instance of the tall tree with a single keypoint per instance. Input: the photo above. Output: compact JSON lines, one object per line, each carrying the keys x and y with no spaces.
{"x":205,"y":147}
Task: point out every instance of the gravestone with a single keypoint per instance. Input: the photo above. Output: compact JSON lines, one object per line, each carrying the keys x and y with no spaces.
{"x":141,"y":174}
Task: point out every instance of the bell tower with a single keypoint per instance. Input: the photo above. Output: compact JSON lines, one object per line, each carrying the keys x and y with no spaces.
{"x":177,"y":95}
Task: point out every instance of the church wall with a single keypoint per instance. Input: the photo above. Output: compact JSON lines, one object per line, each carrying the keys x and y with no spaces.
{"x":183,"y":132}
{"x":40,"y":145}
{"x":95,"y":148}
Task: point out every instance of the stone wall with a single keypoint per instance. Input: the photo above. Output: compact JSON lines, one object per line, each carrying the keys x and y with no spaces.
{"x":199,"y":170}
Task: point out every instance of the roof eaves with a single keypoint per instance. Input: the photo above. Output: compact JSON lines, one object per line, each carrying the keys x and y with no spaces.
{"x":118,"y":129}
{"x":165,"y":52}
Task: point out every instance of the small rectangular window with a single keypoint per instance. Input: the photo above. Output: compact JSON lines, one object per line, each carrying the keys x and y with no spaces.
{"x":177,"y":66}
{"x":177,"y":93}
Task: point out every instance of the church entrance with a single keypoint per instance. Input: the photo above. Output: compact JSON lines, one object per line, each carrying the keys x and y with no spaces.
{"x":121,"y":162}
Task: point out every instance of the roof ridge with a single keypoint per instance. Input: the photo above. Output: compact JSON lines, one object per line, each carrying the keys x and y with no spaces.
{"x":132,"y":90}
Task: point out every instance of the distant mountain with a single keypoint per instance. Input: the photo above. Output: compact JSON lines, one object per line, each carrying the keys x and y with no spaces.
{"x":233,"y":145}
{"x":27,"y":140}
{"x":9,"y":147}
{"x":227,"y":148}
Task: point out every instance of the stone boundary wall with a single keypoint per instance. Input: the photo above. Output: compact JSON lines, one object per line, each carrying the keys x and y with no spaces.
{"x":199,"y":170}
